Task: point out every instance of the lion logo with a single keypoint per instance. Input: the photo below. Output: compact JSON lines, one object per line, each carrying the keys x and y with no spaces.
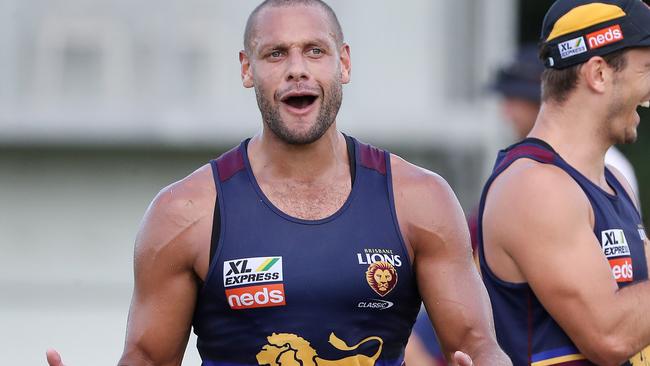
{"x":382,"y":277}
{"x":286,"y":349}
{"x":642,"y":358}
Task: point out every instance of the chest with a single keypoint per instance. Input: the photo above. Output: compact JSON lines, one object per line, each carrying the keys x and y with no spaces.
{"x":350,"y":256}
{"x":307,"y":201}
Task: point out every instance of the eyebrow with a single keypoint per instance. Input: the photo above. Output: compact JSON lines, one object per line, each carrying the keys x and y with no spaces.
{"x":283,"y":45}
{"x":267,"y":46}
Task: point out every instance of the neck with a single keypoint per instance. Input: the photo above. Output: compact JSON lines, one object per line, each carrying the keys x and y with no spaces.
{"x":575,"y":131}
{"x":324,"y":159}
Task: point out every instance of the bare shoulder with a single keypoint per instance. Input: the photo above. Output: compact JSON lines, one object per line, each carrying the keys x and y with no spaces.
{"x":428,"y":211}
{"x":537,"y":197}
{"x":415,"y":184}
{"x":176,"y":219}
{"x":528,"y":181}
{"x":185,"y":200}
{"x":173,"y":233}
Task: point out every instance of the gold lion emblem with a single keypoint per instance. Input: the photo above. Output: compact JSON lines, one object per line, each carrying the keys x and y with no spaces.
{"x":286,"y":349}
{"x":382,"y":277}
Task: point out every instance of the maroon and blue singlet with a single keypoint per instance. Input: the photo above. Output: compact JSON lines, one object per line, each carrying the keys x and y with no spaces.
{"x":287,"y":291}
{"x":525,"y":330}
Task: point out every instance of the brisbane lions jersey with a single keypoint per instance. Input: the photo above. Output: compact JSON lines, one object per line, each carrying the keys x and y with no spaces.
{"x":287,"y":291}
{"x":525,"y":330}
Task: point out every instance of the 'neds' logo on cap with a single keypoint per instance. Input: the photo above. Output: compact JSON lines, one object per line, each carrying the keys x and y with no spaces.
{"x":605,"y":36}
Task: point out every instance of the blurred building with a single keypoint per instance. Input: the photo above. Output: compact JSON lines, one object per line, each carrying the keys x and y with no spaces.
{"x":104,"y":102}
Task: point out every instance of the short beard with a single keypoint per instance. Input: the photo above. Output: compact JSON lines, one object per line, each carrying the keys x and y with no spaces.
{"x":329,"y":108}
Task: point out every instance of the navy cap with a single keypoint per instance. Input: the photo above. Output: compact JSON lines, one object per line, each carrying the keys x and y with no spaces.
{"x":521,"y":78}
{"x":576,"y":30}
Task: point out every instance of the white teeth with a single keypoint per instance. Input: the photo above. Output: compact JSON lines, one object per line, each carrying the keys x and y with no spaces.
{"x":645,"y":104}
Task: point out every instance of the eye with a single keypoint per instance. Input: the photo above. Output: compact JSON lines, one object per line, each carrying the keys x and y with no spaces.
{"x":275,"y":54}
{"x":316,"y":51}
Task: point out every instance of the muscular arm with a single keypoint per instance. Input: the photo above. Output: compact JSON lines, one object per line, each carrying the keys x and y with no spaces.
{"x":434,"y":227}
{"x":538,"y":228}
{"x":167,"y":269}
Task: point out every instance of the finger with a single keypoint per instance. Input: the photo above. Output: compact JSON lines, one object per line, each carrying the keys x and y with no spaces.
{"x":53,"y":358}
{"x":462,"y":359}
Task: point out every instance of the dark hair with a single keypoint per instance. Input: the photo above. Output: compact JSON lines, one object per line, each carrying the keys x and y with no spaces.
{"x":252,"y":18}
{"x":557,"y":84}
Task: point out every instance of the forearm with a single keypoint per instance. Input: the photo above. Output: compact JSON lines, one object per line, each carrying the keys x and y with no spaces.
{"x":616,"y":328}
{"x":481,"y":345}
{"x":137,"y":357}
{"x":632,"y":327}
{"x":489,"y":353}
{"x":134,"y":358}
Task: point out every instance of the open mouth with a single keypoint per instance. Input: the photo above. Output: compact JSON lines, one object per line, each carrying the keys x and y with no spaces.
{"x":645,"y":104}
{"x":300,"y":101}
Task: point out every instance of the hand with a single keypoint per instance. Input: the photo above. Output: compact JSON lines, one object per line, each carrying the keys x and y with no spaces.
{"x":53,"y":358}
{"x":462,"y":359}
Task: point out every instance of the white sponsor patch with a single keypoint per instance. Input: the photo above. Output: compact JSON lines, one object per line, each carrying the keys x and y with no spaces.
{"x":375,"y":304}
{"x":246,"y":271}
{"x":614,"y":244}
{"x":572,"y":47}
{"x":642,"y":234}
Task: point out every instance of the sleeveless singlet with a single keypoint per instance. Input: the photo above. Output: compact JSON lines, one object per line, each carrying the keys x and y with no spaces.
{"x":525,"y":330}
{"x":287,"y":291}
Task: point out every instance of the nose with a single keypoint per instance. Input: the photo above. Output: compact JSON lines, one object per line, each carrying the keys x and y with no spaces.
{"x":297,"y":69}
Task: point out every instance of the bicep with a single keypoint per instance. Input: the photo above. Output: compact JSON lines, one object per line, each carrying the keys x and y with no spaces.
{"x":160,"y":316}
{"x":547,"y":231}
{"x":448,"y":280}
{"x":164,"y":295}
{"x":453,"y":294}
{"x":568,"y":273}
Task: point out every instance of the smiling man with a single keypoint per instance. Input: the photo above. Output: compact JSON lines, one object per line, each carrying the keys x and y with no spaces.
{"x":562,"y":248}
{"x":303,"y":246}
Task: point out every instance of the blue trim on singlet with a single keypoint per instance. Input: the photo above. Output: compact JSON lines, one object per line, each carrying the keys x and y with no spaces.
{"x":557,"y":352}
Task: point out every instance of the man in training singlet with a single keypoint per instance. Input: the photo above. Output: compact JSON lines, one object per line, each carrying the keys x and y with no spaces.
{"x":303,"y":246}
{"x":562,"y":248}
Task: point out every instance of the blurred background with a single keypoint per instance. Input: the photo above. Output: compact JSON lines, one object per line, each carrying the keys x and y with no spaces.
{"x":104,"y":102}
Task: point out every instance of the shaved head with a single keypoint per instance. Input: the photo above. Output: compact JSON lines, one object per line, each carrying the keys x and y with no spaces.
{"x":336,"y":30}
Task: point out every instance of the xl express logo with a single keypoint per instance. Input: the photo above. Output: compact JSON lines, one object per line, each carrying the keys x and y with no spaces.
{"x":617,"y":251}
{"x":614,"y":243}
{"x":252,"y":270}
{"x":248,"y":271}
{"x":572,"y":47}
